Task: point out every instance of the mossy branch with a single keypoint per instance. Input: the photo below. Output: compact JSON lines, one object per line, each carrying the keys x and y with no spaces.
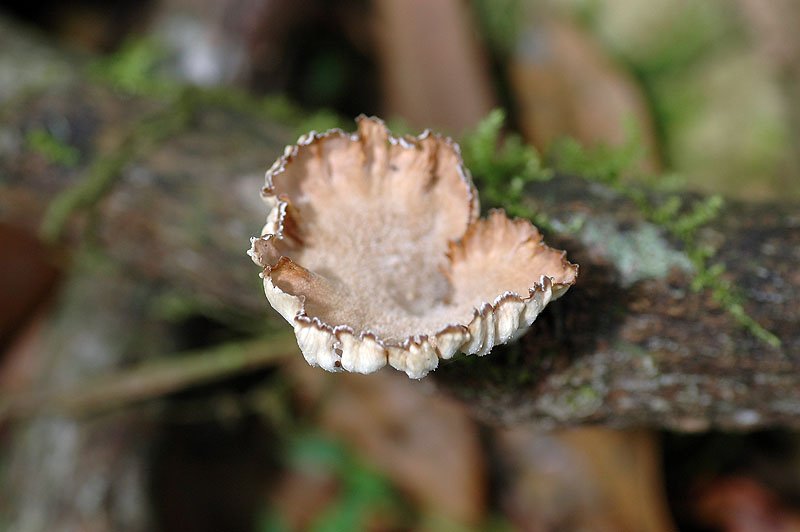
{"x":106,"y":168}
{"x":609,"y":165}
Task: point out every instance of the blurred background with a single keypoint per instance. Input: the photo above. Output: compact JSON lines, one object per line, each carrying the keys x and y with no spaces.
{"x":708,"y":93}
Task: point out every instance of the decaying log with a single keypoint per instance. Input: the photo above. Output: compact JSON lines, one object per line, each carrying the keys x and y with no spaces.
{"x":630,"y":344}
{"x":634,"y":344}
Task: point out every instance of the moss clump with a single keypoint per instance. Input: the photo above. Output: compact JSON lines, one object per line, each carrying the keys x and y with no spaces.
{"x":502,"y":167}
{"x":609,"y":165}
{"x":601,"y":163}
{"x":134,"y":69}
{"x":139,"y":68}
{"x":55,"y":150}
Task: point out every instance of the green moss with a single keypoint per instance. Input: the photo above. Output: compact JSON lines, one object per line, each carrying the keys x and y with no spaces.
{"x":139,"y":69}
{"x":52,"y":148}
{"x":602,"y":163}
{"x":502,"y":169}
{"x":134,"y":69}
{"x":105,"y":169}
{"x":399,"y":127}
{"x":581,"y":401}
{"x":585,"y":400}
{"x":502,"y":166}
{"x":321,"y":120}
{"x":609,"y":165}
{"x":710,"y":275}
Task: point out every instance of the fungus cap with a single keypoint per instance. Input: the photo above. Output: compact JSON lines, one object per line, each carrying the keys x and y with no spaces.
{"x":374,"y":252}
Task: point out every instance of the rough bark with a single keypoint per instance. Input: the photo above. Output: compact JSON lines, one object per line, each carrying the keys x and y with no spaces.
{"x":630,"y":344}
{"x":634,"y":344}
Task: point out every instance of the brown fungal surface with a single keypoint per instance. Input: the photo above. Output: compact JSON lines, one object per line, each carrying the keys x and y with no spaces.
{"x":374,"y":252}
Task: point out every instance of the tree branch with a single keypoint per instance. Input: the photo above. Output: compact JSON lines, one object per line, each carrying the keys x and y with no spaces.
{"x":631,"y":344}
{"x":152,"y":379}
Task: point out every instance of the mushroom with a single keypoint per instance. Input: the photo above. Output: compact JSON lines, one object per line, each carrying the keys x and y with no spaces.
{"x":375,"y":253}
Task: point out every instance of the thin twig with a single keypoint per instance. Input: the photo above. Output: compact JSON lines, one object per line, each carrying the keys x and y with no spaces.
{"x":152,"y":379}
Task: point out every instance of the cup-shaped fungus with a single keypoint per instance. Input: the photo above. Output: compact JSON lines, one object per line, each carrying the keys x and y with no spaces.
{"x":374,"y":251}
